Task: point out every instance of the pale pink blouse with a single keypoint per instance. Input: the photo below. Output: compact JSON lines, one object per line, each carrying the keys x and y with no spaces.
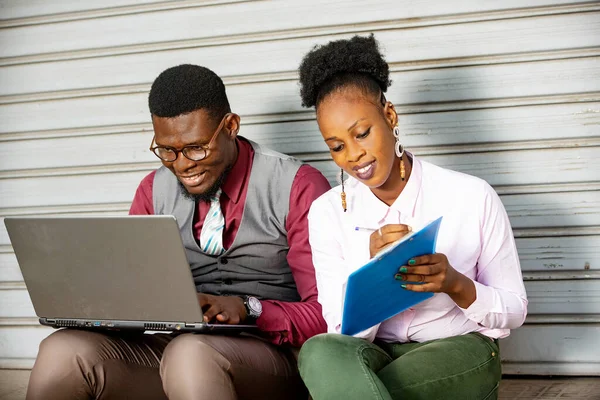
{"x":475,"y":235}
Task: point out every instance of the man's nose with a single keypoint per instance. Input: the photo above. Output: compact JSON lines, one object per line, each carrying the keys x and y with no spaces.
{"x":182,"y":163}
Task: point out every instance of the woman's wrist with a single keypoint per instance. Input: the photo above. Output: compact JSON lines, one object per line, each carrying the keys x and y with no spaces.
{"x":463,"y":293}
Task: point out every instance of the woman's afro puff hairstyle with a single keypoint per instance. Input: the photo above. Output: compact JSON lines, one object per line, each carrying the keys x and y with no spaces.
{"x":356,"y":61}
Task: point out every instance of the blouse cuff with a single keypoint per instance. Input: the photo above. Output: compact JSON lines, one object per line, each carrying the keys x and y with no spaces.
{"x":482,"y":305}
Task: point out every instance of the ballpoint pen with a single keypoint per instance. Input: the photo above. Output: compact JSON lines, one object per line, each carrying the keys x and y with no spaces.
{"x":362,"y":229}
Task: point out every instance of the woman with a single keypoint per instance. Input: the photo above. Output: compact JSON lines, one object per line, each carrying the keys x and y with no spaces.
{"x":445,"y":347}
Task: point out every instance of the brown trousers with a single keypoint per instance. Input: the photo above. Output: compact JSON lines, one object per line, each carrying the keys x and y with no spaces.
{"x":74,"y":364}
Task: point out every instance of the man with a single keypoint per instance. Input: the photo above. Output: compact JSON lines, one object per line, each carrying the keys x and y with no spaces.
{"x":242,"y":212}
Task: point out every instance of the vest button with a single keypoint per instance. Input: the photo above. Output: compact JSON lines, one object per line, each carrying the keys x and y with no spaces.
{"x":227,"y":281}
{"x":223,"y":260}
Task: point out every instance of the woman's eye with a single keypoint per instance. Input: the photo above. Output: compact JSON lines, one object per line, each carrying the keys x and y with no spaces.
{"x":365,"y":134}
{"x":337,"y":148}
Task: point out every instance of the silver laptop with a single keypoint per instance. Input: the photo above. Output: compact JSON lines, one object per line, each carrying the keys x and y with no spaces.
{"x":128,"y":272}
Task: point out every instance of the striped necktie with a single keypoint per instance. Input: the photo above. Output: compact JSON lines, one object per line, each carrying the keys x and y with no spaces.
{"x":211,"y":236}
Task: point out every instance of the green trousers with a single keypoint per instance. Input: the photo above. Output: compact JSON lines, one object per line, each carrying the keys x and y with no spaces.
{"x":342,"y":367}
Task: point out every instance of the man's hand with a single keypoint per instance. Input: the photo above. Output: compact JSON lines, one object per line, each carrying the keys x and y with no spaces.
{"x":387,"y":235}
{"x":222,"y":309}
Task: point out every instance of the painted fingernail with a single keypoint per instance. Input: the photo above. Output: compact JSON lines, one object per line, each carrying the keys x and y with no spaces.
{"x":412,"y":261}
{"x":398,"y":277}
{"x":403,"y":270}
{"x":403,"y":286}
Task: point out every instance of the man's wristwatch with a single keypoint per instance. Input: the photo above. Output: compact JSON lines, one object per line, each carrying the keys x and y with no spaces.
{"x":253,"y":306}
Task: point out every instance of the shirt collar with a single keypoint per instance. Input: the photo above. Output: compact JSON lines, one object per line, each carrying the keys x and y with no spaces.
{"x":237,"y":177}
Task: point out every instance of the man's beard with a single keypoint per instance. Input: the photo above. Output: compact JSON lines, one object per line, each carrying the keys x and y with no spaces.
{"x":208,"y":195}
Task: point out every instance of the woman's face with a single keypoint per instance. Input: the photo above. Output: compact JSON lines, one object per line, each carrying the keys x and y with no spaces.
{"x":358,"y":132}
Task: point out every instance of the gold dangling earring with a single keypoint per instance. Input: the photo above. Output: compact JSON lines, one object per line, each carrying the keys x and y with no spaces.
{"x":402,"y":171}
{"x":343,"y":194}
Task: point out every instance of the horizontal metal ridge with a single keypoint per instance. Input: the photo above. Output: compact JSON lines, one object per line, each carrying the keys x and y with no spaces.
{"x":78,"y":132}
{"x":20,"y":321}
{"x":110,"y":12}
{"x":487,"y":147}
{"x":474,"y":148}
{"x":556,"y":232}
{"x":120,"y":207}
{"x":353,"y":28}
{"x":551,"y":368}
{"x":80,"y":170}
{"x":14,"y":285}
{"x":66,"y":209}
{"x":300,"y":116}
{"x":563,"y":319}
{"x":6,"y":249}
{"x":547,"y":188}
{"x":563,"y":275}
{"x":16,"y":363}
{"x":519,"y":233}
{"x":509,"y":58}
{"x":402,"y":109}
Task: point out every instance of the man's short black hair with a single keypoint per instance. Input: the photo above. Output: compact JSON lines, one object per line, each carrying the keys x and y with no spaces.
{"x":186,"y":88}
{"x":349,"y":62}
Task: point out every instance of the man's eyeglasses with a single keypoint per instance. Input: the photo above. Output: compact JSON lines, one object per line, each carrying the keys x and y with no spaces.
{"x":192,"y":152}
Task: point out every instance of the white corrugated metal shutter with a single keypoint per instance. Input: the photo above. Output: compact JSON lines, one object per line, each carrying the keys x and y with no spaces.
{"x":508,"y":91}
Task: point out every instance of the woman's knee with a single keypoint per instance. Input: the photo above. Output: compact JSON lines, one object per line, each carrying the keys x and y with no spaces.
{"x":324,"y":350}
{"x":465,"y":366}
{"x":314,"y":347}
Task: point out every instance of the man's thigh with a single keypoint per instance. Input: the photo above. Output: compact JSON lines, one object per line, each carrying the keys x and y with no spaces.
{"x":257,"y":369}
{"x":459,"y":367}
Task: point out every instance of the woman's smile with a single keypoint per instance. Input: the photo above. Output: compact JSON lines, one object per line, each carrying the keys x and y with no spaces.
{"x":365,"y":172}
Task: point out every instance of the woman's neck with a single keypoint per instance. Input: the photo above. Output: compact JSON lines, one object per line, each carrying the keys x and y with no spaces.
{"x":393,"y":187}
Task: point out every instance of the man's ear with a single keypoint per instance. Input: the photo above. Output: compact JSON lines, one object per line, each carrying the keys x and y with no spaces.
{"x":232,"y":124}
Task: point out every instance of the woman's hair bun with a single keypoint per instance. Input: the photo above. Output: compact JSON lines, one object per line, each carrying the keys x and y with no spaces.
{"x":352,"y":58}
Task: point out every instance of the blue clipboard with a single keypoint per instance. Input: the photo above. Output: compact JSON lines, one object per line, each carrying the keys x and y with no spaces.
{"x":372,"y":293}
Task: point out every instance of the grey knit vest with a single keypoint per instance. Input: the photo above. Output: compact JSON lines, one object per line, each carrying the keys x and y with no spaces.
{"x":256,"y":262}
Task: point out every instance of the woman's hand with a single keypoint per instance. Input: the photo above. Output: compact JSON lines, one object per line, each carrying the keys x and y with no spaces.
{"x":387,"y":235}
{"x":433,"y":273}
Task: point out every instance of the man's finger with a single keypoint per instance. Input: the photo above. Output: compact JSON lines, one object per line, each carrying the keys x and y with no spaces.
{"x":223,"y":317}
{"x":203,"y":299}
{"x":211,"y":313}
